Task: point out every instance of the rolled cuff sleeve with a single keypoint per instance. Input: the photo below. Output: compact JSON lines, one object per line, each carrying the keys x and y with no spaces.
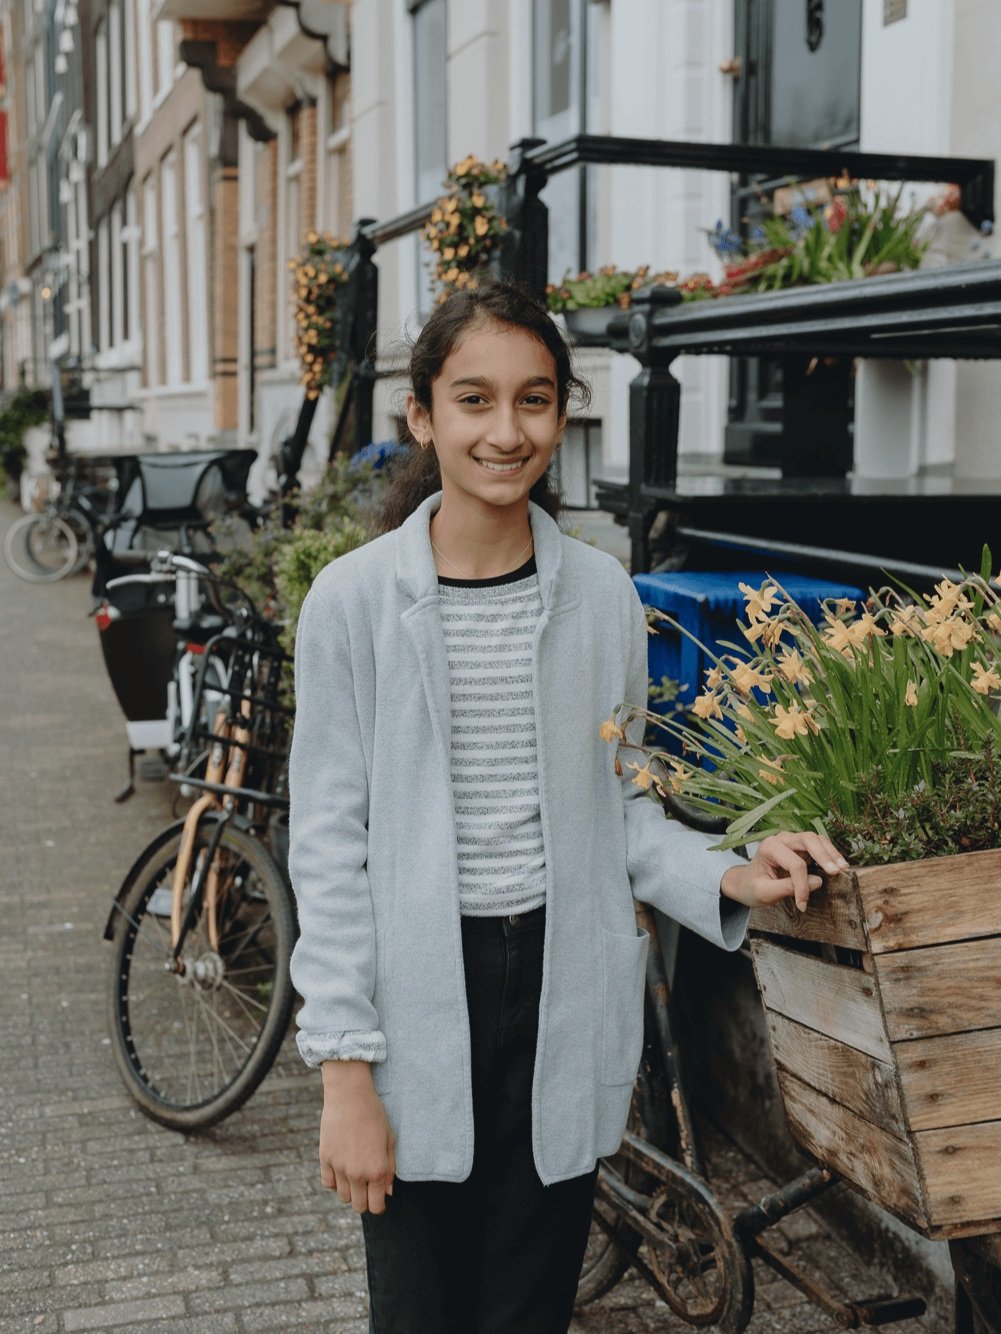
{"x":315,"y":1048}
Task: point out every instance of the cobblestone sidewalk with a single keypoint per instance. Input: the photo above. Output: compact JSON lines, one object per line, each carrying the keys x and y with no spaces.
{"x":111,"y":1222}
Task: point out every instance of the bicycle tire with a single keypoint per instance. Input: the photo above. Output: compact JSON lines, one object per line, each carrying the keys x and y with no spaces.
{"x":41,"y":548}
{"x":192,"y":1048}
{"x":84,"y":536}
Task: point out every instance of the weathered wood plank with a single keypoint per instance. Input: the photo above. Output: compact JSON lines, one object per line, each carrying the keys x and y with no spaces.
{"x":827,"y":997}
{"x":878,"y":1163}
{"x":832,"y":918}
{"x":952,"y":1080}
{"x":962,"y":1173}
{"x":851,"y":1077}
{"x":910,"y":904}
{"x":942,"y":989}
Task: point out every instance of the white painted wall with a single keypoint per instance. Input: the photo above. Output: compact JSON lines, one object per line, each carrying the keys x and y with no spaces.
{"x":929,"y":85}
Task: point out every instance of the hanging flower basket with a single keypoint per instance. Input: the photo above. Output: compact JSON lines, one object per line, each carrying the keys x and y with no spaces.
{"x":320,"y":273}
{"x":466,"y":226}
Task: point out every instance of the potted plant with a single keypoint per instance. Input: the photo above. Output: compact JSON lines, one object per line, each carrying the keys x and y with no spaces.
{"x":26,"y":408}
{"x":881,"y":729}
{"x":466,"y":225}
{"x":588,"y":301}
{"x":846,"y":230}
{"x":320,"y":272}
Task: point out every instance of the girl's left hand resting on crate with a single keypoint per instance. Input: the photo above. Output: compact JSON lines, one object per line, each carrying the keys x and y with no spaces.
{"x":779,"y":870}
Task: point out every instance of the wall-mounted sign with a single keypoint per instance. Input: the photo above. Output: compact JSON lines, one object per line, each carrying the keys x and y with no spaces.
{"x":893,"y":10}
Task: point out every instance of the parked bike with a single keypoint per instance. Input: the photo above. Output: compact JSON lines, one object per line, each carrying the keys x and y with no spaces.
{"x":60,"y":538}
{"x":203,"y":924}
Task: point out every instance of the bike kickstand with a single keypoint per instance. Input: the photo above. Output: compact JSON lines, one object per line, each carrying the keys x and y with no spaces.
{"x":129,"y":789}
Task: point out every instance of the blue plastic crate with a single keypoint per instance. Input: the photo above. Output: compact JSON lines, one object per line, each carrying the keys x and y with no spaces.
{"x":708,"y":605}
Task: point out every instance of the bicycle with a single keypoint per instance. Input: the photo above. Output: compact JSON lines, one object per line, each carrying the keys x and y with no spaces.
{"x":203,"y":926}
{"x":60,"y":539}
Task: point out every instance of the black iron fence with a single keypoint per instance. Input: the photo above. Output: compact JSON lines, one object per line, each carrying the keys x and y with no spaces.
{"x":523,"y":255}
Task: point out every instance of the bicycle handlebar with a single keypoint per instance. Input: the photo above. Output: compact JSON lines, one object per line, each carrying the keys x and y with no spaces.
{"x":694,"y":819}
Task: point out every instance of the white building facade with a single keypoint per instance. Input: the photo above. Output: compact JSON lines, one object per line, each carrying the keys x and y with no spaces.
{"x":435,"y":80}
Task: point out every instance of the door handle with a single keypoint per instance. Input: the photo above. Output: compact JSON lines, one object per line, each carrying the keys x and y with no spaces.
{"x":734,"y":67}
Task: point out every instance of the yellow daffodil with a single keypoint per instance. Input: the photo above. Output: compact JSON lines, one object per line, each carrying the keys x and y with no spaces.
{"x":791,"y":722}
{"x":680,"y":774}
{"x":838,"y":636}
{"x":772,"y":772}
{"x":865,"y":628}
{"x":906,"y":621}
{"x":949,"y":635}
{"x":759,"y":601}
{"x":740,"y":734}
{"x":477,"y":200}
{"x":747,"y":678}
{"x":714,"y":677}
{"x":744,"y":711}
{"x":611,"y":731}
{"x":644,"y":778}
{"x":994,"y":620}
{"x":481,"y":226}
{"x":911,"y":695}
{"x":844,"y":606}
{"x":985,"y":679}
{"x":793,"y":668}
{"x":707,"y":706}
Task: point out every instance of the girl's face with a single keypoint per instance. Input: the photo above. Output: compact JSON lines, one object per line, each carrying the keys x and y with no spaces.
{"x":494,"y":421}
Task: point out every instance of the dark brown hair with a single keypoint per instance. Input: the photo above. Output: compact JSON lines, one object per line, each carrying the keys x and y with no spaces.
{"x":417,"y":475}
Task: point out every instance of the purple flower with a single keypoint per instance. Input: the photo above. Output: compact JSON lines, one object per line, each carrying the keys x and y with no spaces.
{"x":723,"y":240}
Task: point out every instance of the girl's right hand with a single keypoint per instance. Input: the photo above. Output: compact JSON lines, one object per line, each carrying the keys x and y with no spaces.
{"x":357,"y":1157}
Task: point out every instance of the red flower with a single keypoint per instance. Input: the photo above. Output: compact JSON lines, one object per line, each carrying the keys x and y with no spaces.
{"x":835,"y":214}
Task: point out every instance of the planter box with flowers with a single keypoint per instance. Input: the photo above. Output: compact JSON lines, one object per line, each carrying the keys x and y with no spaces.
{"x":883,"y":999}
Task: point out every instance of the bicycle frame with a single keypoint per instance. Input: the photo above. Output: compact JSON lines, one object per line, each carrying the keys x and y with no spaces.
{"x":699,"y":1238}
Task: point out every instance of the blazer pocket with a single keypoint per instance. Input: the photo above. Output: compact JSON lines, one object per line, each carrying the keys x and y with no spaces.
{"x":623,"y":978}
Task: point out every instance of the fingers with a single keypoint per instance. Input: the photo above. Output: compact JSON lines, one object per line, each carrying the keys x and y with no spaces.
{"x":328,"y":1176}
{"x":391,"y":1169}
{"x":775,"y":852}
{"x":818,"y":849}
{"x":376,"y":1200}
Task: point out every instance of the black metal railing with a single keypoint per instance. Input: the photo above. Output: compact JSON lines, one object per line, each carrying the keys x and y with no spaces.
{"x":523,"y":256}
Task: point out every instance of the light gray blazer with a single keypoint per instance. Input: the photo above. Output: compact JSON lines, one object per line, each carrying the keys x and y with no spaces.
{"x":374,"y":864}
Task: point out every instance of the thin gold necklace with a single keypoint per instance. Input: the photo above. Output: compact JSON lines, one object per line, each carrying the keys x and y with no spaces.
{"x":517,"y":561}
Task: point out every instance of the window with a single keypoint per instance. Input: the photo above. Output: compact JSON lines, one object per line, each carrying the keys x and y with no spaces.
{"x":144,"y":43}
{"x":195,"y":265}
{"x":130,"y":236}
{"x":291,"y":224}
{"x":117,"y":322}
{"x":129,"y":58}
{"x":430,"y":120}
{"x":430,"y":107}
{"x":164,"y":57}
{"x":101,"y":56}
{"x":565,"y":33}
{"x":115,"y":58}
{"x":104,"y":287}
{"x":172,"y":322}
{"x":151,"y":291}
{"x":337,"y":158}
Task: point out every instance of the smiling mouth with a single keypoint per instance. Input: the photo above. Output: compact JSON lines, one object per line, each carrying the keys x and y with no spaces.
{"x":502,"y":467}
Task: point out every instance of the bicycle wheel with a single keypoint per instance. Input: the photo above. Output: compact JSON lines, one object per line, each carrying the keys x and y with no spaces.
{"x":606,"y":1258}
{"x":41,"y":548}
{"x":193,"y":1044}
{"x":84,"y":536}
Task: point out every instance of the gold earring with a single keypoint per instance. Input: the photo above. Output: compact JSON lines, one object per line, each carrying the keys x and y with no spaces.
{"x":423,"y":442}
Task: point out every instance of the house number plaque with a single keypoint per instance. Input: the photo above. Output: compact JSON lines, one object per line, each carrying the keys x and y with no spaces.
{"x":894,"y":10}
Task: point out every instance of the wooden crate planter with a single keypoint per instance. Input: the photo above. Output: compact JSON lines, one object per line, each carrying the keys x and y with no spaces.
{"x":884,"y":1011}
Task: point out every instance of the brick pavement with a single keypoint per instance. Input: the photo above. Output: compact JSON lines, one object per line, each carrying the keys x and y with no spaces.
{"x":111,"y":1222}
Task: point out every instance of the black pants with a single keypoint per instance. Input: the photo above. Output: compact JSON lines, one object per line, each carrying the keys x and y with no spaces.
{"x":498,"y":1253}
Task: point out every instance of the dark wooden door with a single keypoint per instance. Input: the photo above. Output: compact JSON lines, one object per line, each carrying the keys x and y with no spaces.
{"x":798,"y":85}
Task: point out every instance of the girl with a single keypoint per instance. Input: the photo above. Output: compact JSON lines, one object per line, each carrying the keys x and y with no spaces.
{"x":465,"y":858}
